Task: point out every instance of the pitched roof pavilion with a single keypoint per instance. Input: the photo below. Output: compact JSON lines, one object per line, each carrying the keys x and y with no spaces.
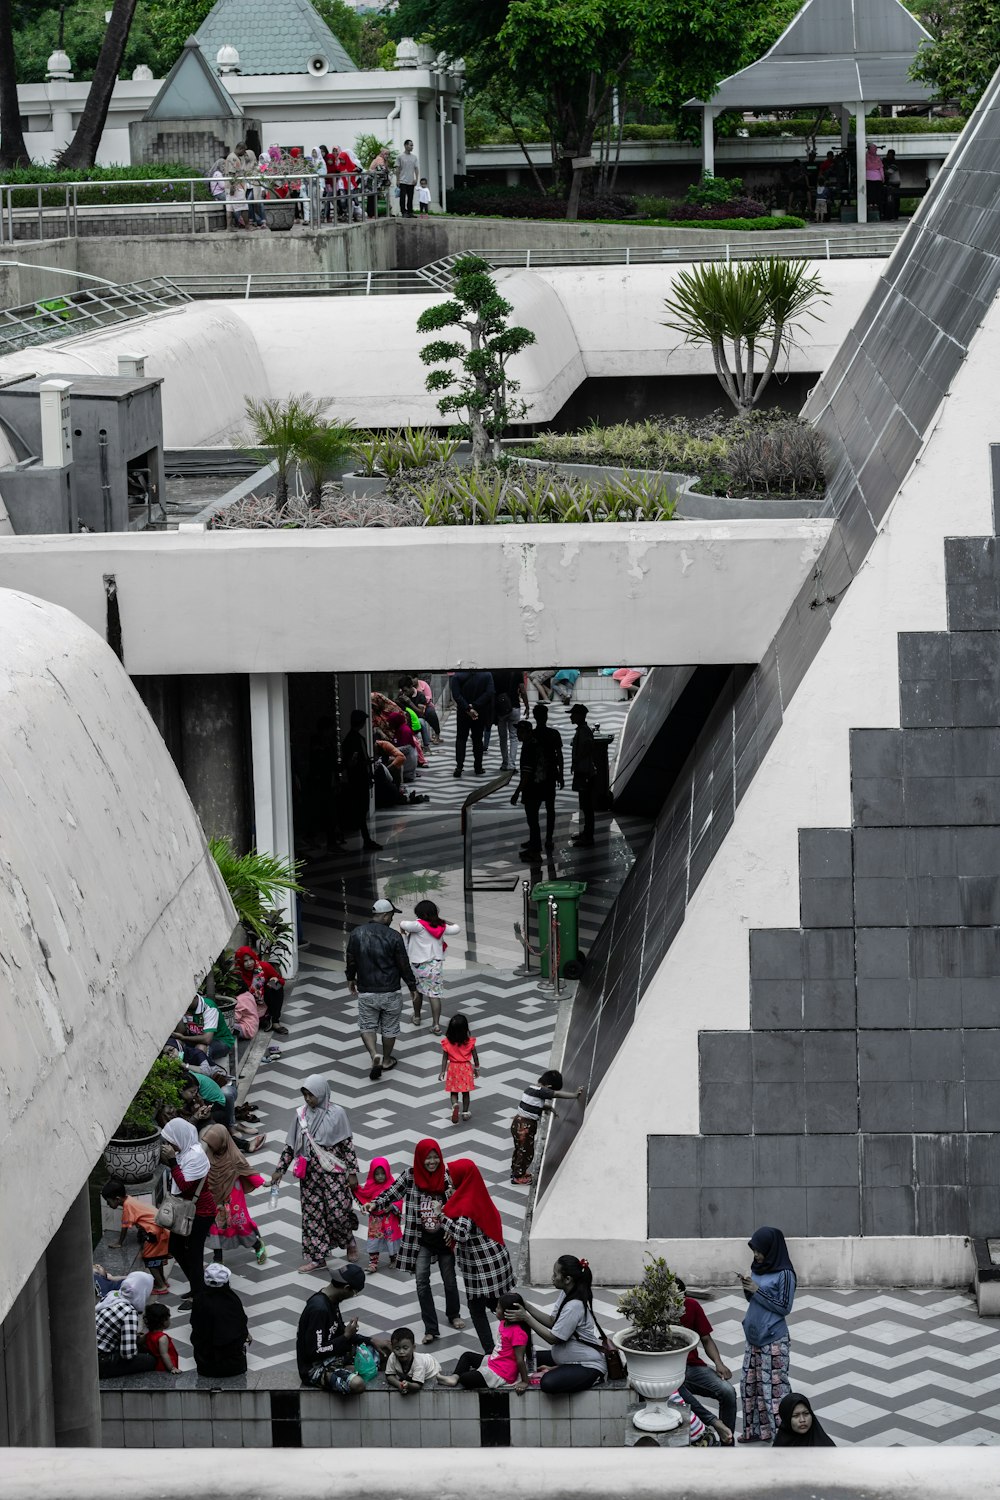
{"x":271,"y":36}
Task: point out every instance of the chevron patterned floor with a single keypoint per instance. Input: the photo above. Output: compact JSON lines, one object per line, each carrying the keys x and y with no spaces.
{"x":883,"y":1367}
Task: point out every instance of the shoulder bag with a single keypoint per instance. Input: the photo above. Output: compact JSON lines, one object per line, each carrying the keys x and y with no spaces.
{"x":617,"y":1368}
{"x":324,"y":1157}
{"x":178,"y":1214}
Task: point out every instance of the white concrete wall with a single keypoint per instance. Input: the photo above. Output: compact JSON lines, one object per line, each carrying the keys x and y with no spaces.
{"x":703,"y":983}
{"x":111,"y":910}
{"x":362,"y":354}
{"x":679,"y":591}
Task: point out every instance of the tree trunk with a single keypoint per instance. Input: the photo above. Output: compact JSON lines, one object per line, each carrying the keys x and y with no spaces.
{"x":13,"y":152}
{"x":82,"y":149}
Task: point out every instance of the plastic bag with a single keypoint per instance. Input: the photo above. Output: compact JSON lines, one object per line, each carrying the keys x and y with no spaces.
{"x":365,"y":1363}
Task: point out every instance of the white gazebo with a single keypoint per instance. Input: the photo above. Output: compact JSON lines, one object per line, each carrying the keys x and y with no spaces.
{"x":848,"y":54}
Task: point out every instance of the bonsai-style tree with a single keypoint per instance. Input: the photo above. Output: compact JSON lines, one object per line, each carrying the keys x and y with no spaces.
{"x":482,"y":389}
{"x":739,"y":310}
{"x":160,"y":1089}
{"x":651,"y":1307}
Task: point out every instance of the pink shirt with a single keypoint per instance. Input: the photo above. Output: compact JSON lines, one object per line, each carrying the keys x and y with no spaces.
{"x":246,"y":1016}
{"x":502,"y":1362}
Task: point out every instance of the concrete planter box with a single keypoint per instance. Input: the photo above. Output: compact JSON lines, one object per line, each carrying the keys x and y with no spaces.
{"x":692,"y":506}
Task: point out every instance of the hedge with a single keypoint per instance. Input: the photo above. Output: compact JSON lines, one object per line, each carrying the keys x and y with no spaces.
{"x":110,"y":184}
{"x":768,"y":221}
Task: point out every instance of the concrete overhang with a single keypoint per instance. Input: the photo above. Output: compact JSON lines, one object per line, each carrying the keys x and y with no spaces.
{"x":670,"y":593}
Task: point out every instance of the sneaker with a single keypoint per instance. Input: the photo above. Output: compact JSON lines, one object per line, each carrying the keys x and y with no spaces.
{"x":261,"y":1254}
{"x":457,"y":772}
{"x":371,"y":844}
{"x":454,"y":1114}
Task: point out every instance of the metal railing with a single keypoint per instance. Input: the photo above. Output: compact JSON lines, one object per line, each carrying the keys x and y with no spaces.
{"x":190,"y":197}
{"x":80,"y":311}
{"x":495,"y":784}
{"x":848,"y":243}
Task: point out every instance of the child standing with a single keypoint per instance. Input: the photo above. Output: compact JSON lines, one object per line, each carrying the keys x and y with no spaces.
{"x":425,"y":946}
{"x":424,"y":196}
{"x":142,"y":1218}
{"x":507,"y":1366}
{"x":384,"y":1232}
{"x":406,"y":1371}
{"x":535,"y":1101}
{"x":157,"y":1341}
{"x":460,"y":1069}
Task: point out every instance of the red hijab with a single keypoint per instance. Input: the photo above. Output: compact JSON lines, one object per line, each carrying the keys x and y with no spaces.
{"x":471,"y":1199}
{"x":370,"y":1189}
{"x":429,"y":1182}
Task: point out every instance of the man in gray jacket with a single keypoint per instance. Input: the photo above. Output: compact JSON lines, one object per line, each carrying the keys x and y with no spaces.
{"x":376,"y":961}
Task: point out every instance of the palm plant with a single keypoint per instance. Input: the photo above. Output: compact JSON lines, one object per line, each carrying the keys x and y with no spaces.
{"x":320,"y":452}
{"x":253,"y":881}
{"x":740,"y":308}
{"x":279,"y":431}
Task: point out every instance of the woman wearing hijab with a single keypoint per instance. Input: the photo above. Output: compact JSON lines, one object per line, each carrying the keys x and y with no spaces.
{"x":188,"y":1164}
{"x":770,"y":1292}
{"x":425,"y":1188}
{"x":403,"y":738}
{"x":799,"y":1425}
{"x":219,"y":1329}
{"x":118,"y":1331}
{"x":475,"y":1229}
{"x":230,"y":1178}
{"x":326,"y":1165}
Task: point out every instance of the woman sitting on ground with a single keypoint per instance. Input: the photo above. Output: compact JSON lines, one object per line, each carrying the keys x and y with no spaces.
{"x":219,"y":1329}
{"x":575,"y":1361}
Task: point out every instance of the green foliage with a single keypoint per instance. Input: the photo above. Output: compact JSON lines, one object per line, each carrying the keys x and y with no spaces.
{"x":171,"y":22}
{"x":739,"y":309}
{"x":253,"y":881}
{"x":765,"y":222}
{"x":367,"y":147}
{"x":481,"y":388}
{"x":321,"y":451}
{"x":965,"y":53}
{"x":161,"y":1089}
{"x":345,"y":23}
{"x":36,"y":36}
{"x":406,"y":448}
{"x":281,"y":430}
{"x":676,"y":446}
{"x":518,"y":494}
{"x":713,"y":189}
{"x":652,"y":1306}
{"x":110,"y":184}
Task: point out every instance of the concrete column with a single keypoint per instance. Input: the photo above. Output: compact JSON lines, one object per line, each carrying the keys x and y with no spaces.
{"x":708,"y":139}
{"x":213,"y":754}
{"x":845,"y":125}
{"x":354,"y":690}
{"x":860,"y":148}
{"x":272,"y":782}
{"x":460,"y":139}
{"x":431,"y":167}
{"x":62,"y":129}
{"x":76,"y":1394}
{"x":409,"y":120}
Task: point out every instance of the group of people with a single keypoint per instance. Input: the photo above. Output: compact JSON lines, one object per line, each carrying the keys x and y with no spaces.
{"x":244,"y":181}
{"x":819,"y":187}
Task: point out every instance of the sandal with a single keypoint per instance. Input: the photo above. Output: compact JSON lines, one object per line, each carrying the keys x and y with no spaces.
{"x":429,"y":1338}
{"x":312,"y":1265}
{"x":436,"y":1031}
{"x":257,"y":1142}
{"x":389,"y":1064}
{"x":376,"y":1069}
{"x":457,"y":1322}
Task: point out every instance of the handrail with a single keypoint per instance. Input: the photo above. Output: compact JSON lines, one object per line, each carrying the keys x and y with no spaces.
{"x":495,"y":784}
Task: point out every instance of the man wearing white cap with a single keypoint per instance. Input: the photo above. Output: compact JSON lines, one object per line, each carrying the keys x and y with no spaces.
{"x":376,"y":961}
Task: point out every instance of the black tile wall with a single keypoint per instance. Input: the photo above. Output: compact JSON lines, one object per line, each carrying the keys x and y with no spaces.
{"x":874,"y":406}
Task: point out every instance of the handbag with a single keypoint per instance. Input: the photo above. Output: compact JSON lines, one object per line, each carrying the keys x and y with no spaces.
{"x":178,"y":1214}
{"x":324,"y":1158}
{"x":617,"y":1368}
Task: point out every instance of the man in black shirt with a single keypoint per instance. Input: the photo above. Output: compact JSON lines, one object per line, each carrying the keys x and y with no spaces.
{"x":357,"y":765}
{"x":473,"y":695}
{"x":554,"y":776}
{"x":324,"y":1346}
{"x":584,"y":774}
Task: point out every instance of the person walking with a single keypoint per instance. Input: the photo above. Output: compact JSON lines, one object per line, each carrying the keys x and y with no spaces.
{"x":407,"y":177}
{"x":188,"y":1163}
{"x":473,"y":696}
{"x":584,"y":769}
{"x":770,"y":1292}
{"x":358,"y":779}
{"x":509,"y":698}
{"x":425,"y":946}
{"x":425,"y":1189}
{"x":475,"y":1229}
{"x":319,"y":1141}
{"x":230,"y":1178}
{"x":530,"y":789}
{"x":220,"y":1333}
{"x":376,"y":962}
{"x":459,"y":1066}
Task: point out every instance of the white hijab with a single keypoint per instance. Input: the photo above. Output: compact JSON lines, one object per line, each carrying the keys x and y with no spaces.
{"x":192,"y":1162}
{"x":327,"y":1123}
{"x":136,"y":1289}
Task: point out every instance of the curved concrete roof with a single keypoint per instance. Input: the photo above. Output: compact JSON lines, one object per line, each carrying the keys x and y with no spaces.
{"x":111,"y":910}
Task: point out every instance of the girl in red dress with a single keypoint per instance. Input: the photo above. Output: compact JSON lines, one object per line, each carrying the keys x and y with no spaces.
{"x":460,"y":1067}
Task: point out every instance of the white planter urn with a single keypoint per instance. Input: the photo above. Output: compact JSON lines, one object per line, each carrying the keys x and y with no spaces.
{"x":656,"y":1376}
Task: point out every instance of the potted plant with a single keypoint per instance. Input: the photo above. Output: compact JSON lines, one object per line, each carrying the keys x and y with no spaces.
{"x":655,"y":1345}
{"x":133,"y":1152}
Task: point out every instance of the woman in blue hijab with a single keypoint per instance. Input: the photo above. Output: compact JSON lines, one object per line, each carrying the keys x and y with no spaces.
{"x":770,"y":1291}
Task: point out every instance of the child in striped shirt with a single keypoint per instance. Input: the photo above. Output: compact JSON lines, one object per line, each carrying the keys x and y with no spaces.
{"x":536,"y":1100}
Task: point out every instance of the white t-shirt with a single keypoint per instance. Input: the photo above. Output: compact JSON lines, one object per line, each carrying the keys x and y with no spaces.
{"x":572,"y":1319}
{"x":421,"y":947}
{"x":424,"y":1367}
{"x":423,"y":195}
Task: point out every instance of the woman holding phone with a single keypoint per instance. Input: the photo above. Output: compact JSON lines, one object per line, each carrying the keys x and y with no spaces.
{"x":770,"y":1291}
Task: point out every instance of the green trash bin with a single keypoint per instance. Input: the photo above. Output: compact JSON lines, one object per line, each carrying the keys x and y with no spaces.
{"x":567,"y":893}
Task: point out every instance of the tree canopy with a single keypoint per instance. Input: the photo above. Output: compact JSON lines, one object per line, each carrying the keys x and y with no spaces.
{"x":965,"y":52}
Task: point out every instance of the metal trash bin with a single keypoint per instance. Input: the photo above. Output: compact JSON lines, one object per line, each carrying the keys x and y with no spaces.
{"x":567,"y":894}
